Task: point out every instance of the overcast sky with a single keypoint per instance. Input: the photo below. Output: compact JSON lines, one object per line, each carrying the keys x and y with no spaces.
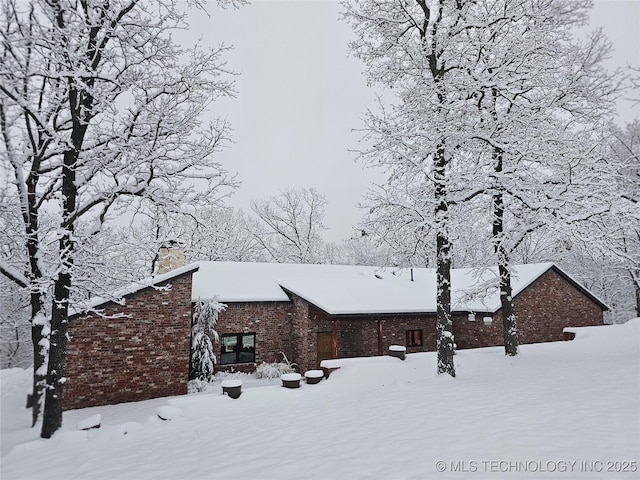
{"x":300,"y":97}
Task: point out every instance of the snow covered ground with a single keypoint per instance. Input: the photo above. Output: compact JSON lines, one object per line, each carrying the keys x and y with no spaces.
{"x":559,"y":410}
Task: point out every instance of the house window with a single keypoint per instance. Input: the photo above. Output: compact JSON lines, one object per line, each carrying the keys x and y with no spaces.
{"x":238,"y":348}
{"x":414,"y":338}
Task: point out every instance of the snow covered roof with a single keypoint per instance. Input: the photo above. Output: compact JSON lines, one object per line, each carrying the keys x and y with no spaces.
{"x":350,"y":290}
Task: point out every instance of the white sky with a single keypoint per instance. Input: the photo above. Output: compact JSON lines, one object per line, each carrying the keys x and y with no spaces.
{"x":300,"y":96}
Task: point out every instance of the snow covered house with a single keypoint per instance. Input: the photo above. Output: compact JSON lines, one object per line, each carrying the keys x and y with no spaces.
{"x":140,"y":350}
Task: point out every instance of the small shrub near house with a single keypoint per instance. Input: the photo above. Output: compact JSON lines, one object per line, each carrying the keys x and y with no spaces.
{"x":274,"y":370}
{"x":203,"y":336}
{"x":197,"y":386}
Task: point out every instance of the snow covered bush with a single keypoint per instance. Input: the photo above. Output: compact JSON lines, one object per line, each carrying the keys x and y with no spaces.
{"x":203,"y":335}
{"x":197,"y":386}
{"x":276,"y":369}
{"x":273,"y":370}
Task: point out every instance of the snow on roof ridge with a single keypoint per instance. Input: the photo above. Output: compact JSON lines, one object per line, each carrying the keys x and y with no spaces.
{"x":355,"y":289}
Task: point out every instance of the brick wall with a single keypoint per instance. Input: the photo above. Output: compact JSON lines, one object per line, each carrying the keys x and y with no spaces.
{"x":304,"y":334}
{"x":477,"y":333}
{"x":279,"y":327}
{"x":270,"y":321}
{"x":293,"y":327}
{"x":543,"y":310}
{"x":142,"y":356}
{"x":551,"y":304}
{"x":358,"y":335}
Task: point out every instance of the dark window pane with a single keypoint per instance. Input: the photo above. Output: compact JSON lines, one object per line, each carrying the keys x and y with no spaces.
{"x":414,"y":338}
{"x":237,"y":348}
{"x":227,"y":358}
{"x":248,"y":341}
{"x":247,"y":354}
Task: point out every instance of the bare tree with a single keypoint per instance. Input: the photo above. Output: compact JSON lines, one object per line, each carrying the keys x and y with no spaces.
{"x":100,"y":116}
{"x":15,"y":347}
{"x":14,"y":299}
{"x":616,"y":233}
{"x":292,"y":225}
{"x":226,"y":234}
{"x":399,"y":224}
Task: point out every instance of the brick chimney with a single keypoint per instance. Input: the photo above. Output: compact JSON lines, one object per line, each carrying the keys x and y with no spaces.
{"x":170,"y":257}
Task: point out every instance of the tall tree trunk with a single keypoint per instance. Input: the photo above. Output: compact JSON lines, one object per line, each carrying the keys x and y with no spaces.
{"x":509,"y":322}
{"x":38,"y":312}
{"x":444,"y":328}
{"x":509,"y":319}
{"x":80,"y":104}
{"x":52,"y":419}
{"x":38,"y":322}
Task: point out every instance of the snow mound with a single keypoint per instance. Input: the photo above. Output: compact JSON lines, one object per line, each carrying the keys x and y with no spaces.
{"x":622,"y":332}
{"x":127,"y":427}
{"x":167,"y":412}
{"x":88,"y":423}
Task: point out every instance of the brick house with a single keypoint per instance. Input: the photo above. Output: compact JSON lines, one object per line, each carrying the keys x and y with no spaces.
{"x":136,"y":350}
{"x":306,"y":312}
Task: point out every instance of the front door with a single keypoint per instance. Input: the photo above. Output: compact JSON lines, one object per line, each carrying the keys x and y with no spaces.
{"x":325,"y":346}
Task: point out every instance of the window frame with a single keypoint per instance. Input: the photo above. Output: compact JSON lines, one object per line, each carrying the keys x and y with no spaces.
{"x":237,"y":351}
{"x":411,"y":340}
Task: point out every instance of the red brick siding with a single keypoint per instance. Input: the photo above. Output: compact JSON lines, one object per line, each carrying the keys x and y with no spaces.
{"x":358,"y":335}
{"x":477,"y":333}
{"x":304,"y":335}
{"x":279,"y":327}
{"x":549,"y":305}
{"x":270,"y":321}
{"x":543,"y":310}
{"x":394,"y":332}
{"x":142,"y":356}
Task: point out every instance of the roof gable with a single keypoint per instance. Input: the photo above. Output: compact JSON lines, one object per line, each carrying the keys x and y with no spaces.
{"x":131,"y":289}
{"x":580,"y":287}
